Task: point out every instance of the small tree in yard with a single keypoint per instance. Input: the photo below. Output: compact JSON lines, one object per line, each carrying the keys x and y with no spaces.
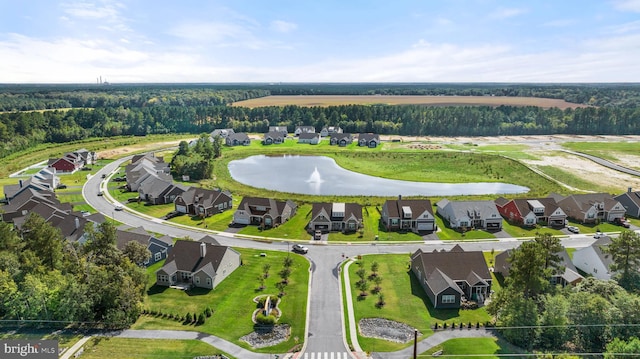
{"x":284,"y":274}
{"x":281,"y":286}
{"x":265,"y":269}
{"x":361,"y":273}
{"x":374,"y":269}
{"x":261,"y":281}
{"x":363,"y":286}
{"x":201,"y":319}
{"x":376,"y":280}
{"x":381,"y":301}
{"x":287,"y":261}
{"x":188,"y":319}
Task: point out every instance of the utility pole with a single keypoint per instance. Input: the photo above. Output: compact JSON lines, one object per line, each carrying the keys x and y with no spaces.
{"x":415,"y":343}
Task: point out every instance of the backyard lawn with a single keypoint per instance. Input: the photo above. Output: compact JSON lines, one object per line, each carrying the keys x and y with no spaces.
{"x":127,"y":348}
{"x":232,"y":301}
{"x":405,"y":299}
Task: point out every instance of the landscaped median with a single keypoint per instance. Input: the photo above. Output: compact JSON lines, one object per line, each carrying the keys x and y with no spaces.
{"x":231,"y":304}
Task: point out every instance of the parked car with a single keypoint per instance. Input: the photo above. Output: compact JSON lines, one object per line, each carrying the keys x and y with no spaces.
{"x":119,"y":207}
{"x":597,"y":235}
{"x":85,"y":213}
{"x":62,"y":186}
{"x":104,"y":175}
{"x":573,"y":229}
{"x":300,"y":248}
{"x":622,"y":222}
{"x":317,"y":235}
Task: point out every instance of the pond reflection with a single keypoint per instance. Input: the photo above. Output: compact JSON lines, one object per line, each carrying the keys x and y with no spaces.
{"x":319,"y":175}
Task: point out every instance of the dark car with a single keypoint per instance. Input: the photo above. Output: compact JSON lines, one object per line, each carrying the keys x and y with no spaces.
{"x":100,"y":193}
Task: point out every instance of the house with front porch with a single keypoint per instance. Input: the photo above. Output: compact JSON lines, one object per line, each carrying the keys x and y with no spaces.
{"x":280,"y":129}
{"x":310,"y":138}
{"x":630,"y":200}
{"x":263,"y":212}
{"x":470,"y":214}
{"x":273,"y":138}
{"x":340,"y":139}
{"x":304,"y":129}
{"x":452,"y":277}
{"x":414,"y":215}
{"x":199,"y":264}
{"x":237,"y":139}
{"x":371,"y":140}
{"x":566,"y":274}
{"x":327,"y":131}
{"x":335,"y":217}
{"x":591,"y":207}
{"x":203,"y":202}
{"x":529,"y":212}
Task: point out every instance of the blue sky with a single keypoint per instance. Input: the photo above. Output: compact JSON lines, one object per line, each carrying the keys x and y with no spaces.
{"x":47,"y":41}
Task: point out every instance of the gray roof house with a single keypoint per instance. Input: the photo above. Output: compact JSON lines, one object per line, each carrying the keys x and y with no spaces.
{"x":449,"y":278}
{"x":593,"y":260}
{"x":158,"y":247}
{"x":221,"y":132}
{"x":237,"y":139}
{"x":281,"y":129}
{"x":414,"y":215}
{"x":343,"y":217}
{"x":591,"y":207}
{"x":304,"y":129}
{"x":470,"y":214}
{"x":203,"y":202}
{"x":13,"y":190}
{"x":630,"y":201}
{"x":340,"y":139}
{"x":198,"y":264}
{"x":273,"y":138}
{"x":567,"y":275}
{"x":309,"y":137}
{"x":263,"y":212}
{"x":371,"y":140}
{"x":326,"y":131}
{"x":145,"y":166}
{"x":156,"y":190}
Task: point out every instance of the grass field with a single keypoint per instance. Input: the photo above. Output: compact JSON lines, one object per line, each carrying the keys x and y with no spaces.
{"x":605,"y":150}
{"x":572,"y":180}
{"x":126,"y":348}
{"x":232,"y":301}
{"x":338,"y":100}
{"x":487,"y":348}
{"x":405,"y":299}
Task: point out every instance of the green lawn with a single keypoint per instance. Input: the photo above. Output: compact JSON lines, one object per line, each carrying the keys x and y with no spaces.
{"x":127,"y":348}
{"x":489,"y":348}
{"x":446,"y":233}
{"x":519,"y":232}
{"x":516,"y":151}
{"x":232,"y":300}
{"x":575,"y":181}
{"x":405,"y":299}
{"x":606,"y":150}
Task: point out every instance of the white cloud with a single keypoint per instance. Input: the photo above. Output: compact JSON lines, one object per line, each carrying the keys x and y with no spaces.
{"x":283,"y":26}
{"x":505,"y":13}
{"x":107,"y":14}
{"x":625,"y":28}
{"x":627,"y":5}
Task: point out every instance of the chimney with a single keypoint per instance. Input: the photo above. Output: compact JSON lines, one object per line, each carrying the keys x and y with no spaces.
{"x":399,"y":197}
{"x":20,"y":183}
{"x":77,"y":223}
{"x":629,"y":189}
{"x":203,"y":249}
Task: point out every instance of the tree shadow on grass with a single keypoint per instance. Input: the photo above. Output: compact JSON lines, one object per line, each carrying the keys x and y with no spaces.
{"x":156,"y":289}
{"x":196,"y":291}
{"x":440,"y":314}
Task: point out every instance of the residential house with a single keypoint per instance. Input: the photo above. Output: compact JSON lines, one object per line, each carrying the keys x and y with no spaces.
{"x":414,"y":215}
{"x":203,"y":202}
{"x":47,"y":177}
{"x":222,"y":133}
{"x":21,"y":204}
{"x":567,"y":273}
{"x":371,"y":140}
{"x":198,"y":264}
{"x":263,"y":212}
{"x":13,"y":190}
{"x":273,"y":138}
{"x":594,"y":260}
{"x":591,"y":207}
{"x":327,"y":131}
{"x":470,"y":214}
{"x":343,"y":217}
{"x":340,"y":139}
{"x":144,"y":166}
{"x":73,"y":161}
{"x":156,"y":190}
{"x":237,"y":139}
{"x":304,"y":129}
{"x":630,"y":201}
{"x":450,"y":278}
{"x":280,"y":129}
{"x":310,"y":138}
{"x":530,"y":212}
{"x":158,"y":247}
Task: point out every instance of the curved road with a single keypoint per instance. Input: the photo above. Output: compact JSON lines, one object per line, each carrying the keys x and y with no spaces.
{"x":325,"y":314}
{"x":606,"y":163}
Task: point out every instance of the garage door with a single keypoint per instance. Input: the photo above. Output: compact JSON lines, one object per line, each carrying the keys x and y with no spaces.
{"x":181,"y":209}
{"x":425,"y":226}
{"x":241,"y":220}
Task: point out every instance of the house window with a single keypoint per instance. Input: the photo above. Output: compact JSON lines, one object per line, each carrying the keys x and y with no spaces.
{"x":197,"y":280}
{"x":394,"y":221}
{"x":209,"y":282}
{"x":464,"y":224}
{"x":162,"y":278}
{"x":529,"y":221}
{"x":448,"y":299}
{"x":157,"y":256}
{"x":591,"y":215}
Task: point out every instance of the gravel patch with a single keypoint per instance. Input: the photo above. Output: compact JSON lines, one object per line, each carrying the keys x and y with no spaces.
{"x":262,"y":338}
{"x":386,"y":329}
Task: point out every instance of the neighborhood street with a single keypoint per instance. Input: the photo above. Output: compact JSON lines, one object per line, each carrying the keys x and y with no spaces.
{"x":325,"y":315}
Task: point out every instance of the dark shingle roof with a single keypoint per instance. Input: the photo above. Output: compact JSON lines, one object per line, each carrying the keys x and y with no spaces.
{"x":185,"y":256}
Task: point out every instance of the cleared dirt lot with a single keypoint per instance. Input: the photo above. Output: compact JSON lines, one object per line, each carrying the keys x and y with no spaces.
{"x":326,"y":100}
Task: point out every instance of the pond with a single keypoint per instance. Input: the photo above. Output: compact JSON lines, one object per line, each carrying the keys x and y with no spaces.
{"x":319,"y":175}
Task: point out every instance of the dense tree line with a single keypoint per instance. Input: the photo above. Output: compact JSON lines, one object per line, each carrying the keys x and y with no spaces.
{"x":534,"y":314}
{"x":196,"y":160}
{"x":45,"y":278}
{"x":19,"y":130}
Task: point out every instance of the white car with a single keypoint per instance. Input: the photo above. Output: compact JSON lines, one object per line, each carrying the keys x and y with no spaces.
{"x":573,"y":229}
{"x":119,"y":207}
{"x":300,"y":248}
{"x":597,"y":235}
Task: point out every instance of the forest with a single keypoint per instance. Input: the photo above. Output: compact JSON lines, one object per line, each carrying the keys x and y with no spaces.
{"x":139,"y":110}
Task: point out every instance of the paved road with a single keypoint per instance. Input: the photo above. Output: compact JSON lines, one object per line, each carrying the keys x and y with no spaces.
{"x":325,"y":326}
{"x":606,"y":163}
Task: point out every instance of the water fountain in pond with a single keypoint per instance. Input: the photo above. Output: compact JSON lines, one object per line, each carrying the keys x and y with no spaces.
{"x":315,"y":177}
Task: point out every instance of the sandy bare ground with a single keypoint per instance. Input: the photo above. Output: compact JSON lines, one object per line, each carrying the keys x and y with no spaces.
{"x":122,"y":151}
{"x":337,"y":100}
